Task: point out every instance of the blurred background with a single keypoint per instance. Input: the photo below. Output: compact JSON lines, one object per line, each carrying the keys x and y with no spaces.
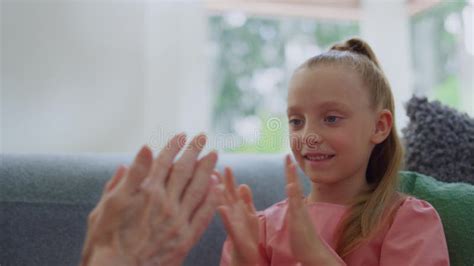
{"x":109,"y":76}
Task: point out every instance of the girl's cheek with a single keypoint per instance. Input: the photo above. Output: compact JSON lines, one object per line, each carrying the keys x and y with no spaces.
{"x":295,"y":144}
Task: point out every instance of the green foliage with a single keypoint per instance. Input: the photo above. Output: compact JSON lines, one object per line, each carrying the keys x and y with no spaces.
{"x":445,"y":51}
{"x":448,"y":92}
{"x":272,"y":137}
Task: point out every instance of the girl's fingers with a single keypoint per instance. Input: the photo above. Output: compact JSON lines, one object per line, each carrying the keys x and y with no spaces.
{"x":227,"y":221}
{"x":290,"y":171}
{"x":290,"y":177}
{"x":291,"y":191}
{"x":218,"y":176}
{"x":229,"y":182}
{"x":293,"y":188}
{"x":223,"y":192}
{"x":239,"y":235}
{"x":245,"y":194}
{"x":221,"y":195}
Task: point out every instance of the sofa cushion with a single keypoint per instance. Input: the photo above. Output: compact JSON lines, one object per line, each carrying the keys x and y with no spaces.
{"x":439,"y":141}
{"x":454,"y":203}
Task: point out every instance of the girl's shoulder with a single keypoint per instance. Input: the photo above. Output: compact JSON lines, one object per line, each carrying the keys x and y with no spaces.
{"x":416,"y":235}
{"x":415,"y":206}
{"x":415,"y":211}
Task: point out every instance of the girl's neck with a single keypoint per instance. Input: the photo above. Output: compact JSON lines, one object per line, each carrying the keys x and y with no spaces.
{"x":341,"y":193}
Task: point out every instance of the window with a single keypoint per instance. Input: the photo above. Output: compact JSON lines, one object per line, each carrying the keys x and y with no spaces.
{"x":443,"y":51}
{"x":255,"y":55}
{"x":254,"y":59}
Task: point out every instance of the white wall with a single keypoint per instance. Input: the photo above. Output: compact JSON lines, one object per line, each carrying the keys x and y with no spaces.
{"x":100,"y":76}
{"x":391,"y":43}
{"x":1,"y":81}
{"x":177,"y":70}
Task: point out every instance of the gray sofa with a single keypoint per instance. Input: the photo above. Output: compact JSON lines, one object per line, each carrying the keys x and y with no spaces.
{"x":45,"y":200}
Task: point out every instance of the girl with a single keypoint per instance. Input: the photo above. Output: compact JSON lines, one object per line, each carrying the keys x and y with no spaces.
{"x":343,"y":136}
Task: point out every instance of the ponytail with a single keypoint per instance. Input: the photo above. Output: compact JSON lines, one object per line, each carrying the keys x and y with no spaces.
{"x":358,"y":46}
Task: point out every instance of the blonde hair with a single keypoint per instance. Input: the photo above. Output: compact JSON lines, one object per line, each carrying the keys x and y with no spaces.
{"x":373,"y":210}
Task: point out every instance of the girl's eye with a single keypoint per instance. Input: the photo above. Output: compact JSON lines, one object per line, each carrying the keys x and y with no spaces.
{"x":295,"y":122}
{"x":331,"y":119}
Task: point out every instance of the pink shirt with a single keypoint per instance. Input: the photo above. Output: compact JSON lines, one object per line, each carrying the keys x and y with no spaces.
{"x":415,"y":237}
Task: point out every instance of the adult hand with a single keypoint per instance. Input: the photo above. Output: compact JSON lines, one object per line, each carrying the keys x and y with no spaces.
{"x":153,"y":212}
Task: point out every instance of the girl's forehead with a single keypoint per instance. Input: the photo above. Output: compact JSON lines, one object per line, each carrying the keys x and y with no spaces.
{"x":326,"y":74}
{"x":318,"y":85}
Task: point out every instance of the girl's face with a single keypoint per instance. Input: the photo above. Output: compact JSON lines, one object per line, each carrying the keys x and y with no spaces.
{"x":331,"y":124}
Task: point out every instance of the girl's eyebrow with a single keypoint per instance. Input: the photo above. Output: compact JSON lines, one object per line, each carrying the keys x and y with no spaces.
{"x":324,"y":105}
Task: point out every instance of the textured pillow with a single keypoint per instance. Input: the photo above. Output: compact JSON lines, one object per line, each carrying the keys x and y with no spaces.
{"x":439,"y":141}
{"x":454,"y":202}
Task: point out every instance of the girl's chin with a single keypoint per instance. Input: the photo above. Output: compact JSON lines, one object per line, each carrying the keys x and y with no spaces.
{"x":318,"y":176}
{"x":311,"y":174}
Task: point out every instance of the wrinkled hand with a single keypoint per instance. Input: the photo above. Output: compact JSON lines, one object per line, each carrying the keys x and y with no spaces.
{"x":155,"y":211}
{"x":240,"y":221}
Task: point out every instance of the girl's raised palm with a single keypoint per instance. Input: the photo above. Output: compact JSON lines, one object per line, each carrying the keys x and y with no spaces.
{"x":303,"y":238}
{"x":240,"y":221}
{"x":306,"y":245}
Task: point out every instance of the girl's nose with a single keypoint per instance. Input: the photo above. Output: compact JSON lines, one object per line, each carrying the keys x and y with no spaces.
{"x":312,"y":140}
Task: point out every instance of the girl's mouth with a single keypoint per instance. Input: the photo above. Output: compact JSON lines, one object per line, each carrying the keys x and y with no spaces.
{"x":318,"y":158}
{"x":318,"y":161}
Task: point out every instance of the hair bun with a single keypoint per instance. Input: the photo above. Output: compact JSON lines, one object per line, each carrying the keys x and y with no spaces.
{"x":358,"y":46}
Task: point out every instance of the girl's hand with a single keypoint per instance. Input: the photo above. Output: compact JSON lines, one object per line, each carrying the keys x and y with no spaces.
{"x":306,"y":245}
{"x":301,"y":230}
{"x":240,"y":220}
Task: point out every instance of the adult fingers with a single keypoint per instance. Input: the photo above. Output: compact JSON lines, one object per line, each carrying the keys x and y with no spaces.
{"x":112,"y":183}
{"x":164,"y":160}
{"x":198,"y":187}
{"x":203,"y":215}
{"x":219,"y":177}
{"x":137,"y":172}
{"x":183,"y":169}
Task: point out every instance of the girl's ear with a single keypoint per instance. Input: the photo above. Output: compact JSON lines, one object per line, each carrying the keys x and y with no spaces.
{"x":383,"y":126}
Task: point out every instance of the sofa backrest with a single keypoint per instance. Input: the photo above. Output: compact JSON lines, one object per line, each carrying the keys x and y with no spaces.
{"x":45,"y":200}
